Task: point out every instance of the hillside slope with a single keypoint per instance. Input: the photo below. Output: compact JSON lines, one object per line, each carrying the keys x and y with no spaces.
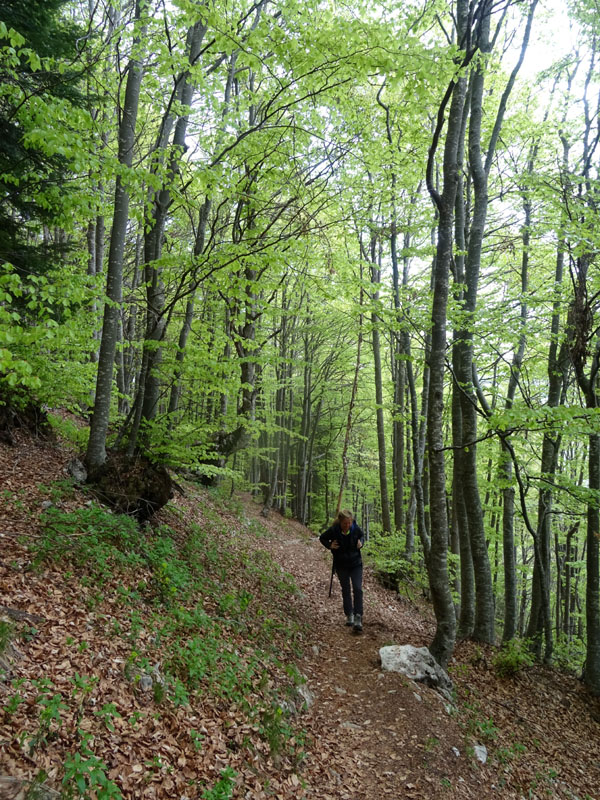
{"x":177,"y":661}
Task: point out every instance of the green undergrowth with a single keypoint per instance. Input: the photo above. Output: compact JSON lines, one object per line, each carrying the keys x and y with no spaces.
{"x":387,"y":554}
{"x":199,"y":613}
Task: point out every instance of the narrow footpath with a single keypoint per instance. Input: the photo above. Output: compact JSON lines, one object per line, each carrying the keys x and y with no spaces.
{"x":381,"y":734}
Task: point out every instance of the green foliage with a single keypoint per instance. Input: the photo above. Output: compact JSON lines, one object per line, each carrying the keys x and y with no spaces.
{"x":223,"y":788}
{"x":171,"y":576}
{"x":484,"y":728}
{"x":107,"y":714}
{"x":14,"y":700}
{"x":197,"y":740}
{"x":197,"y":654}
{"x":85,"y":778}
{"x":93,"y":538}
{"x":205,"y":660}
{"x":50,"y":715}
{"x":569,"y":654}
{"x":43,"y":343}
{"x":507,"y":754}
{"x":66,"y":429}
{"x":512,"y":657}
{"x":83,"y":686}
{"x":387,"y":554}
{"x":276,"y":728}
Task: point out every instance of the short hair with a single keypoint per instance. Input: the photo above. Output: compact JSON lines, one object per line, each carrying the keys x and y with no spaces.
{"x":345,"y":514}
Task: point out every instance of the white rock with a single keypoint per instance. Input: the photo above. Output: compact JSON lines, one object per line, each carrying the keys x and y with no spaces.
{"x":456,"y":752}
{"x":418,"y":664}
{"x":480,"y":751}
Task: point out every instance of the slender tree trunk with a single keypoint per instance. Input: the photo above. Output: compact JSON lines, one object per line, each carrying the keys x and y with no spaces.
{"x":505,"y":470}
{"x":592,"y":587}
{"x":302,"y":461}
{"x":344,"y":477}
{"x":483,"y":628}
{"x":437,"y":558}
{"x":557,"y":377}
{"x":96,"y":450}
{"x":383,"y":484}
{"x":156,"y":320}
{"x":460,"y":541}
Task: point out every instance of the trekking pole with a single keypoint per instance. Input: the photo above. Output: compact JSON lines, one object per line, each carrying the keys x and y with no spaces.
{"x":331,"y":581}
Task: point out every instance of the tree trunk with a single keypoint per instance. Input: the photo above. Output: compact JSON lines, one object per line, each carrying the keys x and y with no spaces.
{"x":381,"y":449}
{"x":344,"y":477}
{"x":96,"y":450}
{"x":156,"y":320}
{"x":557,"y":377}
{"x":437,"y":558}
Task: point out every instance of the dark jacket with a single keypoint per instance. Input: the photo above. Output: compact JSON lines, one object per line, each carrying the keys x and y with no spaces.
{"x":348,"y":554}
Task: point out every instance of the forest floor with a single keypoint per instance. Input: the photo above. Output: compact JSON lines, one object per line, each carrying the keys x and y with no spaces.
{"x":67,"y":702}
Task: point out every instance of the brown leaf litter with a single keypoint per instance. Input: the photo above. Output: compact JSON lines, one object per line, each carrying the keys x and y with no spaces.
{"x":368,"y":735}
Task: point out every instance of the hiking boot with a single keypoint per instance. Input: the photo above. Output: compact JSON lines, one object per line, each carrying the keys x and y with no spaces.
{"x":358,"y":623}
{"x":350,"y":619}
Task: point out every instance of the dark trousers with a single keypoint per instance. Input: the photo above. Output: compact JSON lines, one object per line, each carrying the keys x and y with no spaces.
{"x":351,"y":577}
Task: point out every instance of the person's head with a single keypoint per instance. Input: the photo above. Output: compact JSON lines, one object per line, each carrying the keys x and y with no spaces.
{"x":345,"y":519}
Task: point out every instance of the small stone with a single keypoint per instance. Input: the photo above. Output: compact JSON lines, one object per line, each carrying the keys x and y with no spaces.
{"x":418,"y":696}
{"x":146,"y":683}
{"x":480,"y":751}
{"x":77,"y":470}
{"x":339,"y":690}
{"x":315,"y":650}
{"x":456,"y":752}
{"x":350,"y":726}
{"x":47,"y":504}
{"x":306,"y":694}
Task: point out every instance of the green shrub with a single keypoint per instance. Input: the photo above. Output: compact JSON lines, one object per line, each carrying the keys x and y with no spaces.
{"x":569,"y":655}
{"x":512,"y":657}
{"x":386,"y":552}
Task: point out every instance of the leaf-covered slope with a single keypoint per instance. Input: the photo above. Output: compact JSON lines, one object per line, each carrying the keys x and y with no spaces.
{"x":173,"y":662}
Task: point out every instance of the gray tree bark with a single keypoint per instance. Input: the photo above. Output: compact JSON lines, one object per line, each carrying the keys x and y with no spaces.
{"x":381,"y":448}
{"x":96,"y":450}
{"x":437,"y":560}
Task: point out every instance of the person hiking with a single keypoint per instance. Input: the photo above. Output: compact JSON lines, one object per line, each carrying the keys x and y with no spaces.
{"x":345,"y":539}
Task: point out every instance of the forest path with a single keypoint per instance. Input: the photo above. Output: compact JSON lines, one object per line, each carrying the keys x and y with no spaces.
{"x":379,"y":734}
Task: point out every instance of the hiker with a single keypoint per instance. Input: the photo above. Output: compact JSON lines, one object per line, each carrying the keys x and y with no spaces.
{"x":345,"y":539}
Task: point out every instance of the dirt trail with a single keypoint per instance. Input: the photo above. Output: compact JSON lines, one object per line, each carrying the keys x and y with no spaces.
{"x":381,"y":735}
